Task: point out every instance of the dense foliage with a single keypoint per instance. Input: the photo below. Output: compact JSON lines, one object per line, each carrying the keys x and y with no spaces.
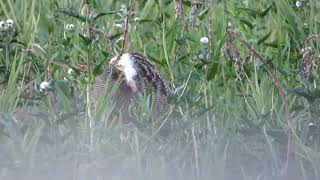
{"x":244,"y":77}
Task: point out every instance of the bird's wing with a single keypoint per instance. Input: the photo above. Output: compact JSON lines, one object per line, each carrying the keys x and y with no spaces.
{"x":149,"y":79}
{"x":149,"y":75}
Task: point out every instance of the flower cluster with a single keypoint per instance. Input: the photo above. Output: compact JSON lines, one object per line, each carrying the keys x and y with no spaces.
{"x":6,"y":25}
{"x":203,"y":53}
{"x":69,"y":27}
{"x":300,"y":3}
{"x":204,"y":40}
{"x":71,"y":75}
{"x":44,"y":87}
{"x":70,"y":71}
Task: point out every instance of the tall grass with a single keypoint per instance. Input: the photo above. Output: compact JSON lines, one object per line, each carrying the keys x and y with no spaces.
{"x":226,"y":121}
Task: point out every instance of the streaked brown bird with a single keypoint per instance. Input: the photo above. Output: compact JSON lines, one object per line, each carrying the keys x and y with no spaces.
{"x":136,"y":76}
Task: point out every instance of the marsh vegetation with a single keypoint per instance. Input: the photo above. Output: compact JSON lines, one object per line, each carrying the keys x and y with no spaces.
{"x":244,"y":76}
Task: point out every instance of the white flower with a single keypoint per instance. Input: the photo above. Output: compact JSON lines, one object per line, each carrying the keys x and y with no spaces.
{"x":306,"y":49}
{"x":9,"y":23}
{"x":311,"y":124}
{"x":118,"y":26}
{"x":86,"y":79}
{"x":123,"y":7}
{"x":120,"y":39}
{"x":2,"y":25}
{"x":69,"y":27}
{"x":136,"y":19}
{"x":70,"y":71}
{"x":201,"y":56}
{"x":299,"y":4}
{"x":93,"y":15}
{"x":44,"y":86}
{"x":204,"y":40}
{"x":246,"y":3}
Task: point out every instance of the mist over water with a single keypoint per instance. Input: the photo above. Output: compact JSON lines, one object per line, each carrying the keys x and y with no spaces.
{"x":125,"y":152}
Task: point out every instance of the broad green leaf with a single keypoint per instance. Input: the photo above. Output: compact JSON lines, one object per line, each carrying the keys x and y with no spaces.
{"x":249,"y":11}
{"x":264,"y":38}
{"x":104,"y":14}
{"x":215,"y":64}
{"x":247,"y":22}
{"x":266,"y":11}
{"x":203,"y":13}
{"x":85,"y":39}
{"x":187,"y":3}
{"x":73,"y":14}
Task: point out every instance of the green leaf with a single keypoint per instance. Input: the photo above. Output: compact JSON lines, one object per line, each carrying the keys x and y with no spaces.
{"x":63,"y":90}
{"x":203,"y":111}
{"x":264,"y":38}
{"x":73,"y":14}
{"x":18,"y":42}
{"x":85,"y":39}
{"x":266,"y":11}
{"x":145,"y":20}
{"x":199,"y":65}
{"x":187,"y":3}
{"x":115,"y":36}
{"x":98,"y":69}
{"x":249,"y":11}
{"x":104,"y":14}
{"x":311,"y":96}
{"x":105,"y":54}
{"x":215,"y":64}
{"x":203,"y":13}
{"x":272,"y":44}
{"x":245,"y":21}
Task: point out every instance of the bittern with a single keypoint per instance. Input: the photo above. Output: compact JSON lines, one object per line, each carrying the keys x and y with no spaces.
{"x":136,"y":76}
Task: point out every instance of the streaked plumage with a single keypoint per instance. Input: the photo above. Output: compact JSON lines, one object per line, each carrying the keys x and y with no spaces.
{"x":137,"y":76}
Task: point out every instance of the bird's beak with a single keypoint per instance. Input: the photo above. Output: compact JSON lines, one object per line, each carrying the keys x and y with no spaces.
{"x":119,"y":67}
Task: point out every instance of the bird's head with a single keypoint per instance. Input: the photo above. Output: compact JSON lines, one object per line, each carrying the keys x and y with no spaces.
{"x":126,"y":65}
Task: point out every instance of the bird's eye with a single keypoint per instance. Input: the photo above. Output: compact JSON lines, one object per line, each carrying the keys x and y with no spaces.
{"x":119,"y":67}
